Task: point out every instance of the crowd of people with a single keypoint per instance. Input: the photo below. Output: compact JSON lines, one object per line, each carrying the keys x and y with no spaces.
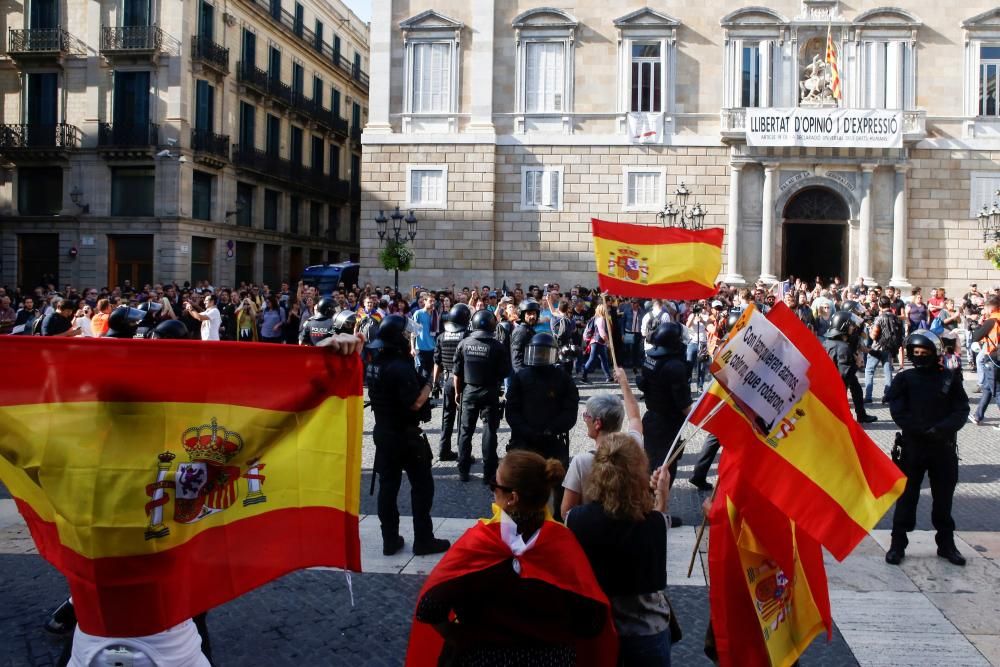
{"x":492,"y":354}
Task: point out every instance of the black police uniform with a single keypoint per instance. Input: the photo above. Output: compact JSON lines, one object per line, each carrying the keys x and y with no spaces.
{"x":480,"y":365}
{"x":519,"y":340}
{"x":444,"y":360}
{"x":400,"y":444}
{"x":667,"y":394}
{"x":843,"y":355}
{"x":930,"y":407}
{"x":316,"y":328}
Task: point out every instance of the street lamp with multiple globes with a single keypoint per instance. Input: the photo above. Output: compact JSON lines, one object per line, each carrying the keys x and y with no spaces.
{"x":989,"y":220}
{"x":381,"y":222}
{"x":679,"y":214}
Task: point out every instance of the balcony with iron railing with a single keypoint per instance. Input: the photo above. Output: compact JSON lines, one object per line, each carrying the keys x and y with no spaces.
{"x":211,"y":54}
{"x":37,"y":136}
{"x":356,"y":134}
{"x":206,"y":141}
{"x":133,"y":40}
{"x":288,"y":21}
{"x":38,"y":44}
{"x":272,"y":166}
{"x":253,"y":77}
{"x":127,"y":135}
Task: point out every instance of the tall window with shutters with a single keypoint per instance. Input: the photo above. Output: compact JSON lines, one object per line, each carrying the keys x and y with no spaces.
{"x":544,"y":72}
{"x":989,"y":80}
{"x":427,"y":186}
{"x":750,"y":75}
{"x":541,"y":188}
{"x":884,"y":64}
{"x":647,"y":77}
{"x":430,"y":76}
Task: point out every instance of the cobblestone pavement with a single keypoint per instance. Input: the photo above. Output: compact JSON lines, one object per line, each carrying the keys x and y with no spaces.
{"x":307,"y":618}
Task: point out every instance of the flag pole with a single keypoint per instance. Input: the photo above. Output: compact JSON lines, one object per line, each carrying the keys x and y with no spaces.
{"x":676,"y":447}
{"x":611,"y":336}
{"x":701,"y":532}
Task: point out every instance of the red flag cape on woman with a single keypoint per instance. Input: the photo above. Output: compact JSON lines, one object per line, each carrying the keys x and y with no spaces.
{"x":555,"y":558}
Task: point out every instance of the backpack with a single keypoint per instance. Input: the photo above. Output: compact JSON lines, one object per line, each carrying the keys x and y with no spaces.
{"x":891,"y":333}
{"x":562,"y":329}
{"x":589,"y":331}
{"x":937,"y":326}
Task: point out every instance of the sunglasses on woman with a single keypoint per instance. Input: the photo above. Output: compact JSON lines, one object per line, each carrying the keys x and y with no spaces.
{"x":494,"y":486}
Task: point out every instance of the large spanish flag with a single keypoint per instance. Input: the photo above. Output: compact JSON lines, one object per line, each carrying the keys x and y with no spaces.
{"x":769,"y":595}
{"x":656,"y":262}
{"x":164,"y":478}
{"x":819,"y":467}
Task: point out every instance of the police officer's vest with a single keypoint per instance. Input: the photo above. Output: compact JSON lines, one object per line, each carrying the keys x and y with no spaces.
{"x":480,"y":368}
{"x":449,"y":340}
{"x":317,"y":330}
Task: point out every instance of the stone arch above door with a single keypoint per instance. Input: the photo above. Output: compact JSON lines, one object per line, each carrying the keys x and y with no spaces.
{"x":810,"y":182}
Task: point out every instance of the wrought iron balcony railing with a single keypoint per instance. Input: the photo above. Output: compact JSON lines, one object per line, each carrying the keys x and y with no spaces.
{"x":247,"y":74}
{"x":38,"y":42}
{"x":210,"y":53}
{"x":273,"y":166}
{"x":210,"y":142}
{"x":27,"y":136}
{"x":356,"y":134}
{"x":131,"y":39}
{"x":127,"y":135}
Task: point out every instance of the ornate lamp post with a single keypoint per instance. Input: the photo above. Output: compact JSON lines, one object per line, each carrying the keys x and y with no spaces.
{"x":679,"y":213}
{"x":401,"y":254}
{"x":989,"y":220}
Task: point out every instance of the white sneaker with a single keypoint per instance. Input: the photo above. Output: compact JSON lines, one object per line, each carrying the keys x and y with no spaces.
{"x":972,"y":418}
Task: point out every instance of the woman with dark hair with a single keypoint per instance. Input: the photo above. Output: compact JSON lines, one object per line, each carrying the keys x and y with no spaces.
{"x":623,"y":531}
{"x":515,"y":589}
{"x":271,"y":320}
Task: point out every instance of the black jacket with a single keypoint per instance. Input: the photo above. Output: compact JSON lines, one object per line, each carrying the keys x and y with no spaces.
{"x":929,"y":405}
{"x":842,"y":356}
{"x":518,"y":342}
{"x":541,"y":399}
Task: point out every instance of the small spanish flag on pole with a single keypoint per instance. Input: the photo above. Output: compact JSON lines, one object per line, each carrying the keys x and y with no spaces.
{"x":831,"y":62}
{"x":656,"y":262}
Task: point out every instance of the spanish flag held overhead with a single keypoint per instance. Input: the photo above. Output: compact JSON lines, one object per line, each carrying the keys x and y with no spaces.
{"x":164,"y":478}
{"x":818,"y":466}
{"x":656,"y":262}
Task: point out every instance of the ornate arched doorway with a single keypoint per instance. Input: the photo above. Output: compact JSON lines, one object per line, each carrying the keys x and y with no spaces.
{"x":815,"y":241}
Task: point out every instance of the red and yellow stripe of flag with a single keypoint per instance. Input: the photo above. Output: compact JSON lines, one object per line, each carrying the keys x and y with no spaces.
{"x":819,"y":467}
{"x":831,"y":62}
{"x":87,"y":426}
{"x":656,"y":262}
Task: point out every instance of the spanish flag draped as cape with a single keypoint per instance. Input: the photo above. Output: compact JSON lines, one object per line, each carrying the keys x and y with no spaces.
{"x":555,"y":558}
{"x":656,"y":262}
{"x":163,"y":478}
{"x":818,"y":467}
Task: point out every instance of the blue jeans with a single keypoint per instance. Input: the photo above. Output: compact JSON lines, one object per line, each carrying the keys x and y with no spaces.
{"x":697,"y":369}
{"x":598,"y":352}
{"x":989,"y":389}
{"x":982,"y":360}
{"x":645,"y":650}
{"x":874,"y":360}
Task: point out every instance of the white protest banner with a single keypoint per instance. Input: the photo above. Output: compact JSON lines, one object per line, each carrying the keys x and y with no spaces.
{"x":838,"y":128}
{"x":645,"y":128}
{"x":762,"y":370}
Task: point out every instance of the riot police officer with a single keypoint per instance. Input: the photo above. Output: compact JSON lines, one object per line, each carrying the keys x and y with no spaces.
{"x":542,"y":404}
{"x":843,"y":326}
{"x":123,"y":321}
{"x":456,"y":327}
{"x":151,"y":310}
{"x":480,"y":366}
{"x":399,"y":399}
{"x":320,"y":324}
{"x":930,"y":406}
{"x":666,"y":393}
{"x":530,"y":312}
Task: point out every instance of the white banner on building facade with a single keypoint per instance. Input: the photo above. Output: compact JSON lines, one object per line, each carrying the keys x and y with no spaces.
{"x":645,"y":128}
{"x":839,"y":128}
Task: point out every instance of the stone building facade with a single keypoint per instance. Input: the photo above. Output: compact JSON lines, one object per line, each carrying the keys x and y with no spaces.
{"x":159,"y":140}
{"x":506,"y":125}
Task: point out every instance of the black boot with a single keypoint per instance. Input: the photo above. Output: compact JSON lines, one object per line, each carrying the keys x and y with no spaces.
{"x":430,"y":546}
{"x":62,"y":620}
{"x":895,"y":555}
{"x":392,"y":545}
{"x":951,"y":555}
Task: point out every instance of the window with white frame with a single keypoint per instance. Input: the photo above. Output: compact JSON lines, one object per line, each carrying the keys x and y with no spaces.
{"x":541,"y":188}
{"x":983,"y":186}
{"x":427,"y":186}
{"x":884,"y":70}
{"x":430,"y":77}
{"x":647,"y":77}
{"x":750,"y":75}
{"x":644,"y":189}
{"x":989,"y":79}
{"x":544,"y":77}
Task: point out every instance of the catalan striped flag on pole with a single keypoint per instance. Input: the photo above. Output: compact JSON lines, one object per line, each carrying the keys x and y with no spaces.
{"x":831,"y":63}
{"x":817,"y":465}
{"x":164,"y":478}
{"x":656,"y":262}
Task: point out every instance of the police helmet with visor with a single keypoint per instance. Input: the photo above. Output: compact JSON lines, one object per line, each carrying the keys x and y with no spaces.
{"x":541,"y":351}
